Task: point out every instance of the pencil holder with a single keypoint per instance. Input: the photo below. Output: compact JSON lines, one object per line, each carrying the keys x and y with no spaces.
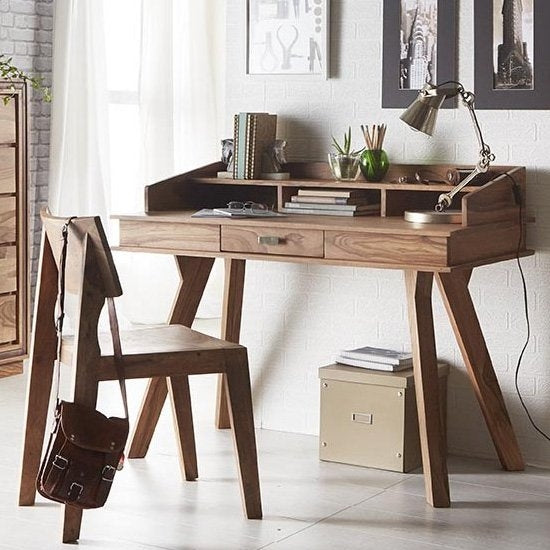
{"x":374,"y":164}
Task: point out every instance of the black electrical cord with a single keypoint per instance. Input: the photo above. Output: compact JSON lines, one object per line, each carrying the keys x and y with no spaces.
{"x":519,"y":201}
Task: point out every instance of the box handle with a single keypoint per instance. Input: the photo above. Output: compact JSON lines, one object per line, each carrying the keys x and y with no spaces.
{"x":361,"y":418}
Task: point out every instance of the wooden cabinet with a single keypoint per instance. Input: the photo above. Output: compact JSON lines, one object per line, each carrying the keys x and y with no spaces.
{"x":14,"y":284}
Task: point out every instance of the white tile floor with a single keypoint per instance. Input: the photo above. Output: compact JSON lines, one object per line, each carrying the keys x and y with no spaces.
{"x":307,"y":504}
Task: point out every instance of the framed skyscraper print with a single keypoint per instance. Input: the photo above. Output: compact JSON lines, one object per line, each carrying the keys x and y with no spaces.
{"x":419,"y":47}
{"x":512,"y":41}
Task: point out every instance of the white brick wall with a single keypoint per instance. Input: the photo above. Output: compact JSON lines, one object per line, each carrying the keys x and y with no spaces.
{"x":26,"y":35}
{"x":296,"y":317}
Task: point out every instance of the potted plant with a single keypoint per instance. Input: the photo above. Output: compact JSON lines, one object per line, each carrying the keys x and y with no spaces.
{"x":9,"y":72}
{"x":344,"y":163}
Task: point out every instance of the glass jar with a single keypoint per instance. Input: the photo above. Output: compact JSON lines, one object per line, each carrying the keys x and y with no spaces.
{"x":374,"y":164}
{"x":344,"y":167}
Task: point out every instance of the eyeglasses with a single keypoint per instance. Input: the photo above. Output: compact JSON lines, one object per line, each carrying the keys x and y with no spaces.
{"x":249,"y":206}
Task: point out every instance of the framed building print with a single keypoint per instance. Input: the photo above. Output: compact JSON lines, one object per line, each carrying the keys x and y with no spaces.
{"x":512,"y":41}
{"x":419,"y":47}
{"x":288,"y":37}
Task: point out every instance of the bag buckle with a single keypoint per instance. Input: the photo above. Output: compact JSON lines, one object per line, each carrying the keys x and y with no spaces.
{"x":73,"y":486}
{"x":60,"y":462}
{"x":108,"y":473}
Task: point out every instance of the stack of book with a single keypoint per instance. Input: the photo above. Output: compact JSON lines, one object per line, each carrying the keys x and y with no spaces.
{"x":376,"y":359}
{"x":332,"y":202}
{"x":253,"y":133}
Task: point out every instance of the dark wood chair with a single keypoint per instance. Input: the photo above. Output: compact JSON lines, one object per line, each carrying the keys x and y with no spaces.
{"x":171,"y":351}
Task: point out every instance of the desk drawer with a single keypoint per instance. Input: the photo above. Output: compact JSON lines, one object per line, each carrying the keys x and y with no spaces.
{"x":171,"y":236}
{"x":7,"y":170}
{"x":8,"y":269}
{"x":7,"y":121}
{"x":386,"y":249}
{"x":273,"y":240}
{"x":8,"y":318}
{"x":7,"y":220}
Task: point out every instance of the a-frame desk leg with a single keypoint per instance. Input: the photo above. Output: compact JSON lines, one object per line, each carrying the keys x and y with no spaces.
{"x":426,"y":380}
{"x":194,"y":273}
{"x":461,"y":311}
{"x":43,"y":349}
{"x":231,"y":327}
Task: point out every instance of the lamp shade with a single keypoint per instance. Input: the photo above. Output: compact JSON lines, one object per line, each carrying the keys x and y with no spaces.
{"x":422,"y":113}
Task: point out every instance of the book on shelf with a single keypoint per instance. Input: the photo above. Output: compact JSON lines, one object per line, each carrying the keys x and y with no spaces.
{"x":337,"y":207}
{"x":373,"y":365}
{"x":379,"y":355}
{"x":253,"y":132}
{"x":326,"y":200}
{"x":316,"y":212}
{"x":334,"y":193}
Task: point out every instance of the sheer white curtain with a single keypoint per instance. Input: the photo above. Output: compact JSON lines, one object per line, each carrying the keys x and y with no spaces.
{"x":158,"y":94}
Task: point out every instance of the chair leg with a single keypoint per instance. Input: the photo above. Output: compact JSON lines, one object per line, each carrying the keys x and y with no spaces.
{"x":180,"y":397}
{"x":237,"y":382}
{"x":72,"y":520}
{"x":149,"y":413}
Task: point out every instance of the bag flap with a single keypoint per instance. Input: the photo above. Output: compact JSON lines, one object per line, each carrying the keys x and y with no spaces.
{"x":90,"y":429}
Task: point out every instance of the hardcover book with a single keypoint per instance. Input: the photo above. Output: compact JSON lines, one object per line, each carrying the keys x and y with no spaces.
{"x":379,"y":355}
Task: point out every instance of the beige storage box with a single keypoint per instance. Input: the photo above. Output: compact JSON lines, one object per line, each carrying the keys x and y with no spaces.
{"x":368,"y":417}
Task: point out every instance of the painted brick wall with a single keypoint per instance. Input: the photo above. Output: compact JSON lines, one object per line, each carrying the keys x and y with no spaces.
{"x":296,"y":316}
{"x":26,"y":35}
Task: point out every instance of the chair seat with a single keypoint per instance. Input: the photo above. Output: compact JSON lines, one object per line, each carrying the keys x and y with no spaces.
{"x":160,"y":351}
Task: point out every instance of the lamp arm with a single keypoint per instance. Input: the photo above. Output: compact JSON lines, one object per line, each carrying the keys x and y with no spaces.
{"x":485,"y":154}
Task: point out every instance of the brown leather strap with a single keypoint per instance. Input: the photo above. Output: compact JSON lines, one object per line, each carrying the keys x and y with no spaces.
{"x":113,"y":323}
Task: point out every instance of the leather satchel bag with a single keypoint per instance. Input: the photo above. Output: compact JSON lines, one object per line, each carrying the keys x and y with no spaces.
{"x":85,"y":448}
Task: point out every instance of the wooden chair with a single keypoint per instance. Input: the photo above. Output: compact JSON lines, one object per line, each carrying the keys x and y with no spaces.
{"x":171,"y":351}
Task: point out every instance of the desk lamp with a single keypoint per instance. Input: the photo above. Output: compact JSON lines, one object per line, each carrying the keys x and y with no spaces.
{"x":421,"y":116}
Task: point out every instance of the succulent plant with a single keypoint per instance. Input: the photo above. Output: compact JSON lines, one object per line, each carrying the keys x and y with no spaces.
{"x":346,"y":148}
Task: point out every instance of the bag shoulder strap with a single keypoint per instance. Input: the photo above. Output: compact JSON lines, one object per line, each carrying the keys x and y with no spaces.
{"x":113,"y":324}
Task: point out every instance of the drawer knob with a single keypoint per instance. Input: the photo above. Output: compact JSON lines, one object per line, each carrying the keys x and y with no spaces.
{"x":270,"y":240}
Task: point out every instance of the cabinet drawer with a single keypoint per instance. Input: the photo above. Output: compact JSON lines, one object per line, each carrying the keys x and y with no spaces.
{"x":7,"y":121}
{"x":7,"y":170}
{"x":171,"y":236}
{"x":8,"y":319}
{"x":8,"y":269}
{"x":7,"y":220}
{"x":386,"y":249}
{"x":271,"y":240}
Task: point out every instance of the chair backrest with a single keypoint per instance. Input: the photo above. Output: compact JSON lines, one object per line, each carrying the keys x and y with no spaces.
{"x":90,"y":277}
{"x":86,"y":238}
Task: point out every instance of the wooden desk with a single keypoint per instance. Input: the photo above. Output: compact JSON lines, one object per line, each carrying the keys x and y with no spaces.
{"x":490,"y":232}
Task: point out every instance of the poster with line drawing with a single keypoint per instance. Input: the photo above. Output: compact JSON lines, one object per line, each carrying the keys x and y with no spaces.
{"x":287,"y":37}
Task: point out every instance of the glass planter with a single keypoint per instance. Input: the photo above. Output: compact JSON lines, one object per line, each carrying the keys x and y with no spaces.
{"x":344,"y":167}
{"x":374,"y":164}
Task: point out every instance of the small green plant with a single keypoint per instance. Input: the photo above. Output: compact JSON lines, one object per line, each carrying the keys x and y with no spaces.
{"x":346,"y":148}
{"x":9,"y":72}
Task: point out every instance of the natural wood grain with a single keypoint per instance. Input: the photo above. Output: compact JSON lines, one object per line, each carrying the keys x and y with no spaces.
{"x":495,"y":201}
{"x":8,"y":182}
{"x":170,"y":235}
{"x":7,"y":122}
{"x":8,"y":218}
{"x":43,"y":347}
{"x":415,"y":250}
{"x":231,"y":327}
{"x":434,"y":459}
{"x":8,"y":319}
{"x":180,"y":397}
{"x":237,"y":383}
{"x":194,"y":274}
{"x":291,"y":243}
{"x":461,"y":311}
{"x":8,"y":269}
{"x":11,"y":369}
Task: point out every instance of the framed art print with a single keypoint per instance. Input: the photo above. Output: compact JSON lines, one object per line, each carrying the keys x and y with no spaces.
{"x":419,"y":47}
{"x":512,"y":41}
{"x":287,"y":37}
